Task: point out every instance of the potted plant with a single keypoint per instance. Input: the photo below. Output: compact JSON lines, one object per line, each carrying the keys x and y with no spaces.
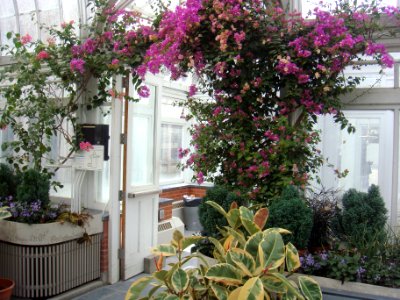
{"x":251,"y":264}
{"x":6,"y":285}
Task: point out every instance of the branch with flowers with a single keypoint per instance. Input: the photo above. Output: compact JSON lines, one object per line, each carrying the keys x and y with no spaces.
{"x":50,"y":80}
{"x":269,"y":75}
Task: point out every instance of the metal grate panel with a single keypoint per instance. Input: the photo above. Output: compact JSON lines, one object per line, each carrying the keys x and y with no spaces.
{"x":43,"y":271}
{"x":164,"y":226}
{"x":178,"y":204}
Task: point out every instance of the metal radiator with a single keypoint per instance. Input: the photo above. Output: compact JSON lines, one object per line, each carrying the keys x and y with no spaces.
{"x":43,"y":271}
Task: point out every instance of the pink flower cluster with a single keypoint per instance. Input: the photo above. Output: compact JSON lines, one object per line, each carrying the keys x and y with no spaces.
{"x":77,"y":65}
{"x":85,"y":146}
{"x":42,"y":55}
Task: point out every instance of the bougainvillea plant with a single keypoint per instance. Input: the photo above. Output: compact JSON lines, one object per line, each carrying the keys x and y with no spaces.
{"x":49,"y":82}
{"x":269,"y":74}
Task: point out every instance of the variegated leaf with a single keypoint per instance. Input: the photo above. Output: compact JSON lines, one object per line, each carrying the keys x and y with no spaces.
{"x":310,"y":288}
{"x":243,"y":260}
{"x":228,"y":242}
{"x":291,"y":286}
{"x":276,"y":229}
{"x":218,"y":247}
{"x":219,"y":291}
{"x":252,"y":290}
{"x":224,"y":273}
{"x":273,"y":284}
{"x":261,"y":217}
{"x":238,"y":235}
{"x":271,"y":251}
{"x":179,"y":280}
{"x":252,"y":244}
{"x":164,"y":250}
{"x":233,"y":218}
{"x":234,"y":295}
{"x":292,"y":258}
{"x":137,"y":287}
{"x":218,"y":207}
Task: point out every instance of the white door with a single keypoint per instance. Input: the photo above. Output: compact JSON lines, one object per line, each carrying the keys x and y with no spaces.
{"x":140,"y":218}
{"x":367,"y":154}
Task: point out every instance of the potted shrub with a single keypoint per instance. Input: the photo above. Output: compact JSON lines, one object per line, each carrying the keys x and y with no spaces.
{"x":251,"y":265}
{"x":6,"y":285}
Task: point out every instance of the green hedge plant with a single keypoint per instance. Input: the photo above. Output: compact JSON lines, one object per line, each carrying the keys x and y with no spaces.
{"x":8,"y":181}
{"x":210,"y":219}
{"x":363,"y":215}
{"x":33,"y":186}
{"x":250,"y":265}
{"x":291,"y":212}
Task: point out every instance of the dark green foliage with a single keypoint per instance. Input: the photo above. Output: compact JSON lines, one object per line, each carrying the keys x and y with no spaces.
{"x":209,"y":217}
{"x":291,"y":212}
{"x":363,"y":215}
{"x":8,"y":181}
{"x":33,"y":186}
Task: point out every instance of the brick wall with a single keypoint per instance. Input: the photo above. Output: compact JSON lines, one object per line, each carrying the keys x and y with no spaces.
{"x":104,"y":250}
{"x":177,"y":193}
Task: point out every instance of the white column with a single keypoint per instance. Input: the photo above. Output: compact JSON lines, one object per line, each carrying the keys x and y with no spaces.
{"x":115,"y":182}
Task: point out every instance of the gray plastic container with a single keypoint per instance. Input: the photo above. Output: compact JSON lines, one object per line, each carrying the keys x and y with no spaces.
{"x":191,"y":213}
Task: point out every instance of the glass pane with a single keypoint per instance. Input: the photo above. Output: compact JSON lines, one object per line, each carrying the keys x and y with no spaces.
{"x":27,"y":24}
{"x":141,"y":141}
{"x":374,"y":76}
{"x":26,"y":6}
{"x":142,"y":137}
{"x":169,"y":110}
{"x":309,"y":5}
{"x":70,"y":10}
{"x":47,"y":5}
{"x":7,"y":9}
{"x":7,"y":25}
{"x":171,"y":141}
{"x":359,"y":153}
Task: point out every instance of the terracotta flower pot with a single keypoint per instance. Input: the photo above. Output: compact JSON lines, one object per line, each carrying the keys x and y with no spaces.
{"x":6,"y":288}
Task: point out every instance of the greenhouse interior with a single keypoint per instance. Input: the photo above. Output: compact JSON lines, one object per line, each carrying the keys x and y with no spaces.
{"x":199,"y":149}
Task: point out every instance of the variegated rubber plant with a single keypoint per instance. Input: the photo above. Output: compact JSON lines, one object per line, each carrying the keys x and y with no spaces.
{"x":4,"y":213}
{"x":253,"y":264}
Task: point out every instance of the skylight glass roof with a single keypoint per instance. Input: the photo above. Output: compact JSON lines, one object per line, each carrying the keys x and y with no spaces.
{"x":27,"y":16}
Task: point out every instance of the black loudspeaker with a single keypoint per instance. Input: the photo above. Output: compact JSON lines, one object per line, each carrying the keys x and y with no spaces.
{"x":96,"y":134}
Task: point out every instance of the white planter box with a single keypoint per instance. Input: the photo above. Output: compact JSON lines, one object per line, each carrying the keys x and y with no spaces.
{"x":48,"y":233}
{"x":354,"y":290}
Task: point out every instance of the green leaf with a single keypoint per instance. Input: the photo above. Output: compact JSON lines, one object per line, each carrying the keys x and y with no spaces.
{"x":218,"y":245}
{"x":160,"y":275}
{"x":292,"y":258}
{"x":310,"y":288}
{"x":276,"y":229}
{"x":271,"y":251}
{"x":217,"y":207}
{"x":243,"y":260}
{"x":164,"y":250}
{"x":187,"y":241}
{"x":273,"y":284}
{"x":233,"y":218}
{"x":252,"y":244}
{"x":252,"y":290}
{"x":137,"y":287}
{"x":292,"y":290}
{"x":224,"y":273}
{"x":219,"y":291}
{"x":9,"y":35}
{"x":246,"y":213}
{"x":237,"y":235}
{"x":179,"y":280}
